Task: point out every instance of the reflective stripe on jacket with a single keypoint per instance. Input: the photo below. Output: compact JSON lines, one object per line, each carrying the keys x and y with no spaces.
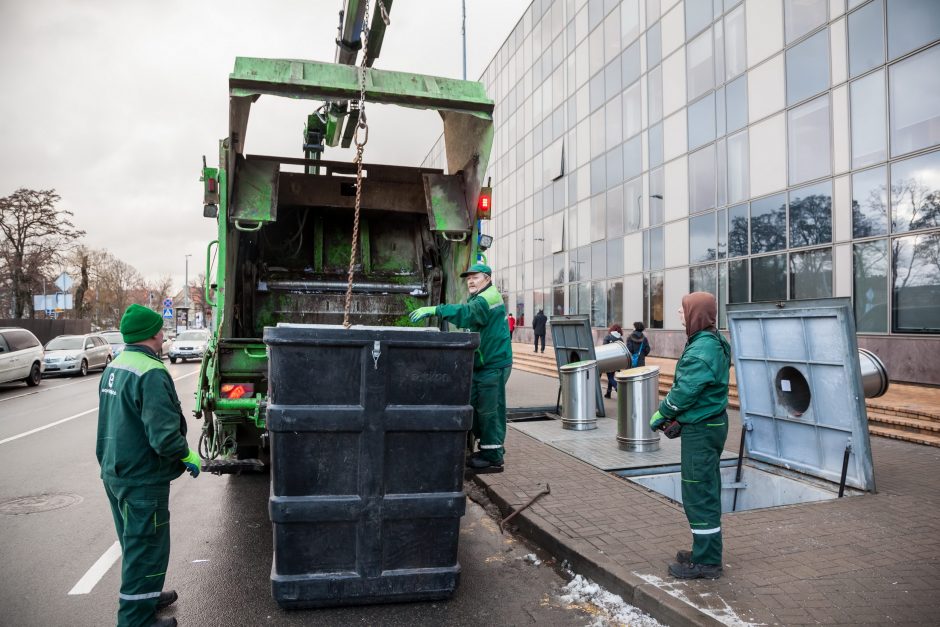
{"x":483,"y":313}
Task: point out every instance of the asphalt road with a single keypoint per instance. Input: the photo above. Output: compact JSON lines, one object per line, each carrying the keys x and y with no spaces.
{"x":60,"y":565}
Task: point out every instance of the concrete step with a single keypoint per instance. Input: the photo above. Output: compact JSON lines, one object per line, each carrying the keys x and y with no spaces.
{"x":907,"y":436}
{"x":900,"y":423}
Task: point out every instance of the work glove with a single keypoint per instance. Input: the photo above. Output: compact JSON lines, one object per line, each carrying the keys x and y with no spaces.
{"x":192,"y":461}
{"x":670,"y":427}
{"x":657,"y":421}
{"x":422,"y":312}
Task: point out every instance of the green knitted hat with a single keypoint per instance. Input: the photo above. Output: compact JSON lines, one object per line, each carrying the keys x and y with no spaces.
{"x":140,"y":323}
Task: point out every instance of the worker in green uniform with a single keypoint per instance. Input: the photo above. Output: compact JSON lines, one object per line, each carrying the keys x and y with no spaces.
{"x":695,"y":410}
{"x":141,"y":448}
{"x":483,"y":313}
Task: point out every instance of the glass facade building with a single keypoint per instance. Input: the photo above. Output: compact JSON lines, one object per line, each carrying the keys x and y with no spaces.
{"x":761,"y":150}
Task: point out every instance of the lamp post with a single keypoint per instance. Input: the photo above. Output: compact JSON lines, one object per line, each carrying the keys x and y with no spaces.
{"x":186,"y":291}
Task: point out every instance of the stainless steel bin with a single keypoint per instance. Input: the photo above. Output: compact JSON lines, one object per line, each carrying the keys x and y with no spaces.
{"x":611,"y":357}
{"x":578,"y":404}
{"x":637,"y":400}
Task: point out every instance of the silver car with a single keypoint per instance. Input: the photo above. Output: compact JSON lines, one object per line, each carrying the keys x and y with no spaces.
{"x":76,"y":354}
{"x":189,"y":344}
{"x":116,"y":340}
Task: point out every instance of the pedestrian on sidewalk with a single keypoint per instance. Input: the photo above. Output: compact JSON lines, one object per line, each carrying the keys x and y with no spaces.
{"x":483,"y":313}
{"x":141,"y":448}
{"x":638,"y":345}
{"x":512,"y":325}
{"x":614,"y":334}
{"x":538,"y":329}
{"x":695,"y":410}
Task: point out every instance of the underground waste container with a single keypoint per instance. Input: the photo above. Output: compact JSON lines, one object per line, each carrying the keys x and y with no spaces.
{"x":637,"y":401}
{"x":578,"y":402}
{"x":368,"y":431}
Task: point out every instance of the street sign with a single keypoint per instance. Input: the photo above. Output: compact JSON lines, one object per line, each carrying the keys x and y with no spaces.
{"x":64,"y":282}
{"x":168,"y":302}
{"x":168,"y":313}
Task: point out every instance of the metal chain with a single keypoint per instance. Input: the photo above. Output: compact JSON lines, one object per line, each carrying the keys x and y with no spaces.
{"x":360,"y":146}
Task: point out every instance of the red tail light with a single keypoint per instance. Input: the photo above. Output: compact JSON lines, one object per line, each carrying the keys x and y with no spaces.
{"x":237,"y":390}
{"x":485,"y":203}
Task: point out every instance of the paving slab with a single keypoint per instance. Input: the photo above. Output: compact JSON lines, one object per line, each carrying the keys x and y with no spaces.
{"x":870,"y":559}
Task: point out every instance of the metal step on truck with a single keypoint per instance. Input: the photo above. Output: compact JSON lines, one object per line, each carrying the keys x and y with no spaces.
{"x":314,"y":371}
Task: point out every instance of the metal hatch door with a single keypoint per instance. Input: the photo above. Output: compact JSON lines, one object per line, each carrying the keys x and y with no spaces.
{"x":800,"y":388}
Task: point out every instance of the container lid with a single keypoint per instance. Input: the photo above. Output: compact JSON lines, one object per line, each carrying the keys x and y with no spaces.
{"x":578,"y":366}
{"x":640,"y":372}
{"x":800,"y":387}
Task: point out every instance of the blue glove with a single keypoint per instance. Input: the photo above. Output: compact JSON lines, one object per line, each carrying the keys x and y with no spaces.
{"x":191,"y":461}
{"x":657,"y":421}
{"x":422,"y":312}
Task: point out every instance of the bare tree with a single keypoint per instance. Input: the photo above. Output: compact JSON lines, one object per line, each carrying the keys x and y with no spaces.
{"x":34,"y":234}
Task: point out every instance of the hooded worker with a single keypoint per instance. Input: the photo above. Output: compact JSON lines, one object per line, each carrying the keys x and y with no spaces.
{"x":695,"y":410}
{"x":483,"y":313}
{"x":141,"y":448}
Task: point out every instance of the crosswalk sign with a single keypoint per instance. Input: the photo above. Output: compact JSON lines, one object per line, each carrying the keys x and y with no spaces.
{"x":168,"y":313}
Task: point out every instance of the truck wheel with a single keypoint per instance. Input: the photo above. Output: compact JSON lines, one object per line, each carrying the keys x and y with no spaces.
{"x":83,"y":369}
{"x":35,"y":376}
{"x":172,"y":360}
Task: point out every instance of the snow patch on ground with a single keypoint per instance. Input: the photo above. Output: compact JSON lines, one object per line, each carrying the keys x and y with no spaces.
{"x":677,"y":589}
{"x":532,"y":559}
{"x":612,"y":608}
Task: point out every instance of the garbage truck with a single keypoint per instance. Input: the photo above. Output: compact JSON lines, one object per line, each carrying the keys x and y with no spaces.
{"x":319,"y":254}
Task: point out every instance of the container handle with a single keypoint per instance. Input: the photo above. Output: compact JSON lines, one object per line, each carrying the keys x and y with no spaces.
{"x":376,"y":353}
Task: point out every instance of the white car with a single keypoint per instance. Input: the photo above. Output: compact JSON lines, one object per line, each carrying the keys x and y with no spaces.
{"x":21,"y":357}
{"x":77,"y":354}
{"x":189,"y":344}
{"x":115,"y":339}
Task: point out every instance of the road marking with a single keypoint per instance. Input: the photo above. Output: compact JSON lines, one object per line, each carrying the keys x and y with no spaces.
{"x":79,"y":415}
{"x":45,"y":389}
{"x":94,"y":574}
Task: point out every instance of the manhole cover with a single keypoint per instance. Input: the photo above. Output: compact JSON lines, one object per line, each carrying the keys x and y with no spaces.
{"x":38,"y":503}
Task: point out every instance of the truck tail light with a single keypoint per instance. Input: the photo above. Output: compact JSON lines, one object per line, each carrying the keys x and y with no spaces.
{"x":485,"y":203}
{"x":237,"y":390}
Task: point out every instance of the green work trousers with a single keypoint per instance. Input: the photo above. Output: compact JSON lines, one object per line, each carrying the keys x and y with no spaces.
{"x":488,"y":397}
{"x":702,"y":443}
{"x":142,"y":521}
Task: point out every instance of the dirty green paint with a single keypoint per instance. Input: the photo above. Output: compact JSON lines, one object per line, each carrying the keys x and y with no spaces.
{"x":318,"y":244}
{"x":365,"y":247}
{"x":256,"y":196}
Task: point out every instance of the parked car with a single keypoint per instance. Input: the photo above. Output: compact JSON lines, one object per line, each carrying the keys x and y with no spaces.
{"x":115,"y":339}
{"x":21,"y":357}
{"x":189,"y":344}
{"x":77,"y":354}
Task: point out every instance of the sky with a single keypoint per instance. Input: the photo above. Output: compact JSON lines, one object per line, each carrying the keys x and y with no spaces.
{"x":113,"y":103}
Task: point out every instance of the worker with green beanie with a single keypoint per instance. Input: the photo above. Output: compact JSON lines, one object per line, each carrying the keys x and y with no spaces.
{"x":141,"y":448}
{"x":483,"y":313}
{"x":695,"y":410}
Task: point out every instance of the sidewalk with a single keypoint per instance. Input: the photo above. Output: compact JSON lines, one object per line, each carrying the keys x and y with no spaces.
{"x":869,"y":559}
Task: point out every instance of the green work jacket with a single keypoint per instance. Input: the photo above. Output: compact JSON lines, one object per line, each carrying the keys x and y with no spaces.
{"x":141,"y":428}
{"x":485,"y":314}
{"x":700,"y":387}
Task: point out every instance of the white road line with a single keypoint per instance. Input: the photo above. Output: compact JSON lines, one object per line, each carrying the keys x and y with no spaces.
{"x":94,"y":574}
{"x":46,"y":389}
{"x":79,"y":415}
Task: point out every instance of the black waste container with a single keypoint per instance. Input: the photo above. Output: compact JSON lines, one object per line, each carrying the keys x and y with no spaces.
{"x":368,"y":435}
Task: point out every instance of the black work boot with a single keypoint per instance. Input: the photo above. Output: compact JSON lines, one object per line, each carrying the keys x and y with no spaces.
{"x":695,"y":571}
{"x":163,"y":622}
{"x":683,"y":556}
{"x":167,"y":599}
{"x":478,"y":464}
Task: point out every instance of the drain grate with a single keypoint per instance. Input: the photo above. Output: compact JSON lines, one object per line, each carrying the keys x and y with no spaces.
{"x":33,"y":504}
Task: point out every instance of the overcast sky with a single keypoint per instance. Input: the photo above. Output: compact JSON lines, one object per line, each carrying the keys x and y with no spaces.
{"x":113,"y":102}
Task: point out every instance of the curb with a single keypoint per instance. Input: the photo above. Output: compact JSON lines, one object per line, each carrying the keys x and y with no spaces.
{"x":587,"y":561}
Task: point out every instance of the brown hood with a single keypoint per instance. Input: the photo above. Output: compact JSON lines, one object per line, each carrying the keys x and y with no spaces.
{"x":701,"y":312}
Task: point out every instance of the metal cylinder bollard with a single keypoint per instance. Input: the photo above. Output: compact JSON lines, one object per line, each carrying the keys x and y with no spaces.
{"x":578,"y":403}
{"x":612,"y":357}
{"x":637,"y":400}
{"x":874,"y":374}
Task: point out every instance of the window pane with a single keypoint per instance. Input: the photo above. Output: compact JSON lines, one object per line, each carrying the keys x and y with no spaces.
{"x":738,"y":281}
{"x":655,"y":80}
{"x":598,"y":175}
{"x":632,"y":157}
{"x":735,"y":43}
{"x":915,"y":102}
{"x":737,"y":231}
{"x":598,"y":260}
{"x":614,"y":167}
{"x":737,"y":167}
{"x":809,"y":141}
{"x":915,"y":193}
{"x":870,"y":202}
{"x":702,"y":180}
{"x":646,"y":250}
{"x":646,"y":298}
{"x":613,"y":118}
{"x":657,"y":251}
{"x":631,"y":111}
{"x":769,"y":224}
{"x":656,"y":145}
{"x":615,"y":212}
{"x":802,"y":16}
{"x":911,"y":24}
{"x":701,"y":122}
{"x":700,"y":65}
{"x":583,"y":297}
{"x":698,"y":15}
{"x":916,"y":284}
{"x":721,"y":171}
{"x":630,"y":60}
{"x":811,"y":215}
{"x":722,"y":295}
{"x":656,"y":300}
{"x":558,"y":276}
{"x":866,"y":38}
{"x":868,"y":120}
{"x":722,"y":218}
{"x":720,"y":123}
{"x":612,"y":35}
{"x":769,"y":278}
{"x":811,"y":274}
{"x":629,"y":20}
{"x":719,"y":52}
{"x":654,"y":45}
{"x":632,"y":199}
{"x":558,"y":301}
{"x":615,"y":257}
{"x":870,"y":286}
{"x":657,"y":193}
{"x":704,"y":279}
{"x":598,"y":223}
{"x":808,"y":67}
{"x":702,"y":238}
{"x":614,"y":301}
